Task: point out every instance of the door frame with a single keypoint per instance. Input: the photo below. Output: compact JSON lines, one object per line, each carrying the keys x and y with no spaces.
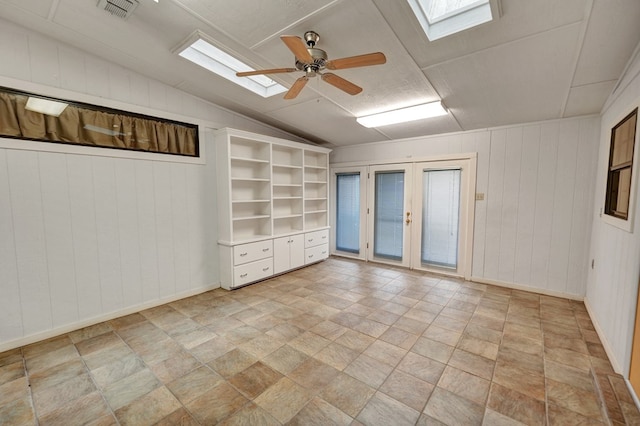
{"x":472,"y":158}
{"x":363,"y":170}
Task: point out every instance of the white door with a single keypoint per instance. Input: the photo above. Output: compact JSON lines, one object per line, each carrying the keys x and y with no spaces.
{"x":389,"y":214}
{"x":348,"y":216}
{"x":442,"y":203}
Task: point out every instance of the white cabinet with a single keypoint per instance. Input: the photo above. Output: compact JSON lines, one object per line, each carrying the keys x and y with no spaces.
{"x":288,"y":253}
{"x":270,"y":191}
{"x":316,"y":246}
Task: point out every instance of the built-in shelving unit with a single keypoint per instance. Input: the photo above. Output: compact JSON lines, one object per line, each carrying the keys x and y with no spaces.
{"x":269,"y":188}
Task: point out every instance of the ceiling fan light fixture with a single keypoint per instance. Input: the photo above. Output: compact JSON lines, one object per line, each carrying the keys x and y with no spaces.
{"x":403,"y":115}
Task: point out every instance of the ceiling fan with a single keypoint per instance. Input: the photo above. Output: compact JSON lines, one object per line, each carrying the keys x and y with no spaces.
{"x":313,"y":61}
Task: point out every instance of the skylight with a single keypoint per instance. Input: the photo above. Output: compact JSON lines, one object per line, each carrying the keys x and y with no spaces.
{"x":205,"y":54}
{"x":440,"y":18}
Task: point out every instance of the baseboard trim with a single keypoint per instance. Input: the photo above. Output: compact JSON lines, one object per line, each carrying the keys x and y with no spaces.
{"x":605,"y":343}
{"x":32,"y":338}
{"x":531,"y":289}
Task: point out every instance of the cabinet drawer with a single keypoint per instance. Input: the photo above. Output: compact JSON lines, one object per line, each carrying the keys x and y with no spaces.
{"x":246,"y":253}
{"x":315,"y":254}
{"x":312,"y":239}
{"x":254,"y":271}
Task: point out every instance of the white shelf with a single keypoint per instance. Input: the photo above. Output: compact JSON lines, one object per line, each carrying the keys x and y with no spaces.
{"x":287,"y":198}
{"x":249,"y":201}
{"x":263,"y":216}
{"x":286,"y":166}
{"x":315,"y":212}
{"x":288,"y":216}
{"x":238,"y":179}
{"x":283,"y":185}
{"x":315,"y":167}
{"x":249,"y":160}
{"x":316,"y":199}
{"x":315,"y":182}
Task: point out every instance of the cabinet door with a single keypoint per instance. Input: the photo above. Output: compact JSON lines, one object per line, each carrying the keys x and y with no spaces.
{"x":296,"y":251}
{"x":281,"y":260}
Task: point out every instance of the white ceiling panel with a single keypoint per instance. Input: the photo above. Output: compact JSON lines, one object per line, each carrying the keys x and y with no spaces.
{"x":588,"y":99}
{"x":251,"y":22}
{"x":526,"y":80}
{"x":611,"y":37}
{"x":40,"y":8}
{"x":328,"y":122}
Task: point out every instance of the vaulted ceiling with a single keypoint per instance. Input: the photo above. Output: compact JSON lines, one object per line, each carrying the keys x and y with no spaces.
{"x":539,"y":60}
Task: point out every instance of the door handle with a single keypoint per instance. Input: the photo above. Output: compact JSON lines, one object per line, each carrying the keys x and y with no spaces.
{"x":408,"y":220}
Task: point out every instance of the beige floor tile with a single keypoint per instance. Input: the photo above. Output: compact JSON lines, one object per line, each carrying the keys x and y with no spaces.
{"x":285,"y":359}
{"x":176,"y":366}
{"x":521,"y":380}
{"x":472,"y":363}
{"x":355,"y":340}
{"x":58,"y":374}
{"x":313,"y":374}
{"x":573,"y":399}
{"x":51,"y":398}
{"x":309,"y":343}
{"x":80,"y":411}
{"x":336,"y":355}
{"x":117,"y":370}
{"x":464,"y":384}
{"x":515,"y":405}
{"x":407,"y":389}
{"x":89,"y":332}
{"x":254,"y":380}
{"x":284,"y":399}
{"x":232,"y":363}
{"x":125,"y":391}
{"x":46,"y":346}
{"x":382,"y":409}
{"x":385,"y":352}
{"x":15,"y":389}
{"x":450,"y":408}
{"x":347,"y":393}
{"x":479,"y":347}
{"x":493,"y":418}
{"x":369,"y":370}
{"x":10,"y":357}
{"x":17,"y":412}
{"x":216,"y":404}
{"x":11,"y":372}
{"x":320,"y":412}
{"x":51,"y":359}
{"x":402,"y":339}
{"x":189,"y":387}
{"x":179,"y":417}
{"x":149,"y":408}
{"x":421,"y":367}
{"x":250,"y":415}
{"x":572,"y":376}
{"x":432,"y":349}
{"x":559,"y":416}
{"x":97,"y":343}
{"x":442,"y":335}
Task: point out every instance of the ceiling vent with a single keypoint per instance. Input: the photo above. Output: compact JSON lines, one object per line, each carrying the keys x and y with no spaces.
{"x":120,"y":8}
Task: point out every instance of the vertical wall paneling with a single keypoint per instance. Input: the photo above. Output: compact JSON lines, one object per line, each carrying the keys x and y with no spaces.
{"x":483,"y":148}
{"x":494,"y":204}
{"x":164,"y":228}
{"x":563,"y":205}
{"x":526,"y":204}
{"x":10,"y":303}
{"x":45,"y":66}
{"x":510,"y":213}
{"x":84,"y":235}
{"x":199,"y":225}
{"x":128,"y":231}
{"x":139,"y":90}
{"x":180,"y":225}
{"x":108,"y":235}
{"x":14,"y":45}
{"x":58,"y":242}
{"x":119,"y":84}
{"x":148,"y":240}
{"x":97,"y":76}
{"x":72,"y":74}
{"x":544,"y":204}
{"x":28,"y":225}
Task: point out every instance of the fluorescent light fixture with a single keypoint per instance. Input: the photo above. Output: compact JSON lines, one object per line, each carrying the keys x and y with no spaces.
{"x":402,"y":115}
{"x":201,"y":52}
{"x":45,"y":106}
{"x":440,"y":18}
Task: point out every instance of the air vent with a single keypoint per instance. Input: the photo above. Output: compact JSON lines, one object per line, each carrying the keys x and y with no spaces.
{"x":120,"y":8}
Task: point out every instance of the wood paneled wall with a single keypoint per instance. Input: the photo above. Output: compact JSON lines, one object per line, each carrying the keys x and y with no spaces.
{"x":532,"y":229}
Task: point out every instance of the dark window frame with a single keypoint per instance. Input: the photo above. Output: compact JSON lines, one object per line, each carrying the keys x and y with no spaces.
{"x":142,"y":118}
{"x":615,"y":173}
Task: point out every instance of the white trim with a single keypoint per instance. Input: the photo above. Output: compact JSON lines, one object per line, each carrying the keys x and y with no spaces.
{"x":442,"y":157}
{"x":57,"y":331}
{"x":602,"y":335}
{"x":632,"y":391}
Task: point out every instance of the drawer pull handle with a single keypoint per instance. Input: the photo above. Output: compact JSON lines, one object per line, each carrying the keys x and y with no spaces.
{"x":243,"y":254}
{"x":265,"y":249}
{"x":310,"y":239}
{"x":310,"y":256}
{"x":265,"y":269}
{"x":324,"y":237}
{"x":324,"y":252}
{"x":244,"y":275}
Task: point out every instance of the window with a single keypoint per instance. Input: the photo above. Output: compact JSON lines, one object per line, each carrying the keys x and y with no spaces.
{"x":25,"y":115}
{"x":348,"y":212}
{"x":623,"y":136}
{"x":440,"y":18}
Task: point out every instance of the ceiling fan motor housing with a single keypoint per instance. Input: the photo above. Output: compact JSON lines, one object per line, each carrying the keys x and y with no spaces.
{"x":319,"y":62}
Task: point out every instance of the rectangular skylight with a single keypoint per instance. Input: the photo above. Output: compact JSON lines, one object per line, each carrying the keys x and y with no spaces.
{"x":403,"y":115}
{"x":440,"y":18}
{"x":203,"y":53}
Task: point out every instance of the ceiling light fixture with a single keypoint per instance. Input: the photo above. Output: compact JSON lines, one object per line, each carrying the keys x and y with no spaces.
{"x":45,"y":106}
{"x":440,"y":18}
{"x":199,"y":50}
{"x":403,"y":115}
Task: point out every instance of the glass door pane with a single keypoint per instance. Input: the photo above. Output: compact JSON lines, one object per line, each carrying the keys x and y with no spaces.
{"x":348,"y":212}
{"x":389,"y":214}
{"x":440,"y":218}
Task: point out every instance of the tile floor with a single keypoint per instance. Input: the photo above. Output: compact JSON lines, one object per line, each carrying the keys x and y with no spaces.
{"x":340,"y":342}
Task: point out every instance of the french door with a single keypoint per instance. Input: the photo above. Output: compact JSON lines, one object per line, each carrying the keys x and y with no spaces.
{"x":389,"y":214}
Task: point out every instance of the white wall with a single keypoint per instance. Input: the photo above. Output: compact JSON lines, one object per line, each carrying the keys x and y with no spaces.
{"x":532,"y":230}
{"x":84,"y":237}
{"x":612,"y":285}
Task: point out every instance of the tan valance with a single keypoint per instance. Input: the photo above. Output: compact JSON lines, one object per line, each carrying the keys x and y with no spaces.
{"x":91,"y":125}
